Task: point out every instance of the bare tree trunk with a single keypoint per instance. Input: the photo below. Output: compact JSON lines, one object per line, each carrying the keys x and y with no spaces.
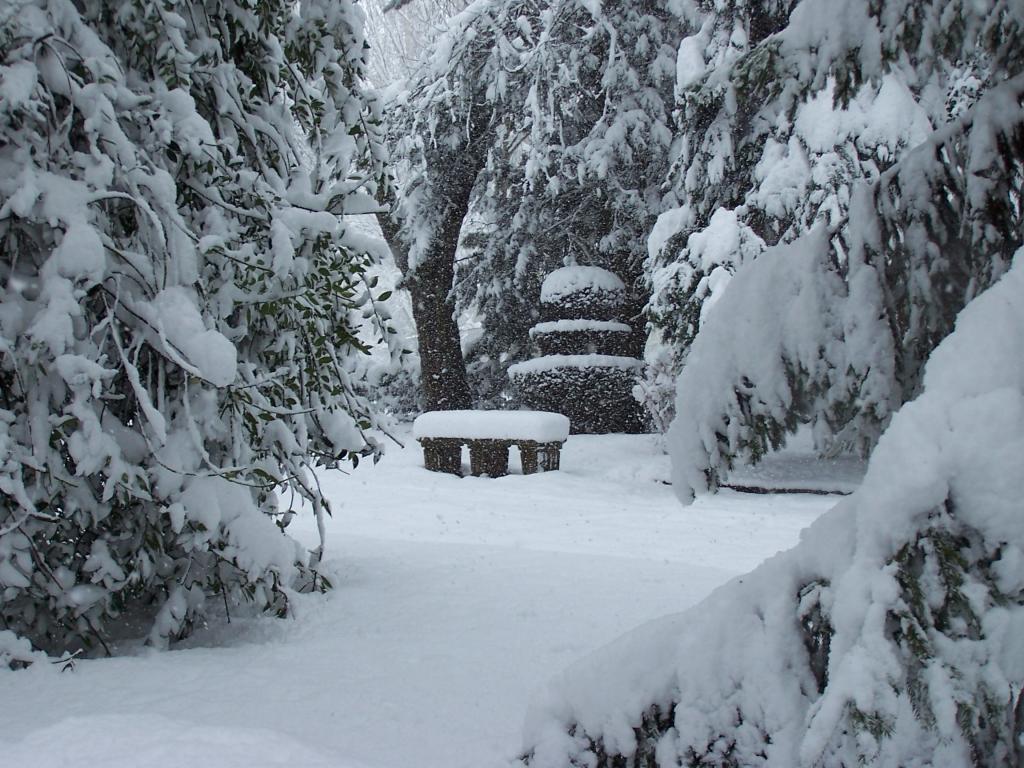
{"x":442,"y":368}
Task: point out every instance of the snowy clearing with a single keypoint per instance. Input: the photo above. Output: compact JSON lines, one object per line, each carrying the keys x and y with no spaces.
{"x":456,"y":600}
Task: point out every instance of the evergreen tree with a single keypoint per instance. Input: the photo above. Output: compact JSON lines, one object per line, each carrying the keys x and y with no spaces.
{"x":545,"y":127}
{"x":576,"y":173}
{"x":787,"y":136}
{"x":180,"y":302}
{"x":441,"y":128}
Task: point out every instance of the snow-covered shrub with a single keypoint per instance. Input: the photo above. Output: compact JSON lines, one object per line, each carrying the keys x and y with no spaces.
{"x":391,"y":384}
{"x":581,"y":293}
{"x":584,"y":370}
{"x":682,"y":292}
{"x":487,"y":370}
{"x":395,"y":390}
{"x":655,"y":390}
{"x":569,"y":337}
{"x":785,"y":107}
{"x":179,"y":302}
{"x":890,"y":635}
{"x":594,"y":391}
{"x":685,"y":287}
{"x":17,"y":652}
{"x":834,"y":328}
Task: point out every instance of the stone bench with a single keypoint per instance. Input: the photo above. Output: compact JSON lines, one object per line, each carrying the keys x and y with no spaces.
{"x":489,"y":434}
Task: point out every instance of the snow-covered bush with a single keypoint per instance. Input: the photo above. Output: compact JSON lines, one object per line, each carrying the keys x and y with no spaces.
{"x":394,"y":390}
{"x":582,"y":293}
{"x":656,"y":388}
{"x":594,"y":391}
{"x":179,"y":301}
{"x":890,"y":635}
{"x":684,"y":288}
{"x":682,"y":292}
{"x":570,"y":337}
{"x":834,"y":328}
{"x":584,"y":370}
{"x":784,"y":108}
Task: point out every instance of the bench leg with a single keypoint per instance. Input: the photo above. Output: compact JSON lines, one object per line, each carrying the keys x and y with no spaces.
{"x":549,"y":456}
{"x":528,"y":456}
{"x":440,"y":455}
{"x":488,"y":457}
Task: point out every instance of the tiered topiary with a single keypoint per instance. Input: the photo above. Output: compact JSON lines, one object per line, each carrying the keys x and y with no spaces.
{"x":583,"y":370}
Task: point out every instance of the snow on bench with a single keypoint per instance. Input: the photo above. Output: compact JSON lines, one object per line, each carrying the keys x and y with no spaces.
{"x":489,"y":434}
{"x":540,"y":426}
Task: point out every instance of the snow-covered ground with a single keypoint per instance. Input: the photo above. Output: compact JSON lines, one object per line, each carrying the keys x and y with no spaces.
{"x":456,"y":600}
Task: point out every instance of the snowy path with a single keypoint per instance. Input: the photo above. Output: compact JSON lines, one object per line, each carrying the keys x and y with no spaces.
{"x":456,"y":600}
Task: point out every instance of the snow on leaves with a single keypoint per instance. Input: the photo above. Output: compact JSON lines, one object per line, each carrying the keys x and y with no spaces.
{"x":181,"y":299}
{"x":865,"y":307}
{"x":784,"y":108}
{"x":817,"y":127}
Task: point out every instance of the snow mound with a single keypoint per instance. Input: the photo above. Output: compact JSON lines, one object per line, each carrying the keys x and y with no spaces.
{"x":552,"y":362}
{"x":569,"y":280}
{"x":889,"y":636}
{"x":492,"y":425}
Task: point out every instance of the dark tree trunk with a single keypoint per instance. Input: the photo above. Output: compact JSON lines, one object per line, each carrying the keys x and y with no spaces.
{"x":442,"y":367}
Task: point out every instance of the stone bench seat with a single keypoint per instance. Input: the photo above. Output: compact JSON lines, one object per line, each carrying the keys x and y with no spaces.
{"x":539,"y":436}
